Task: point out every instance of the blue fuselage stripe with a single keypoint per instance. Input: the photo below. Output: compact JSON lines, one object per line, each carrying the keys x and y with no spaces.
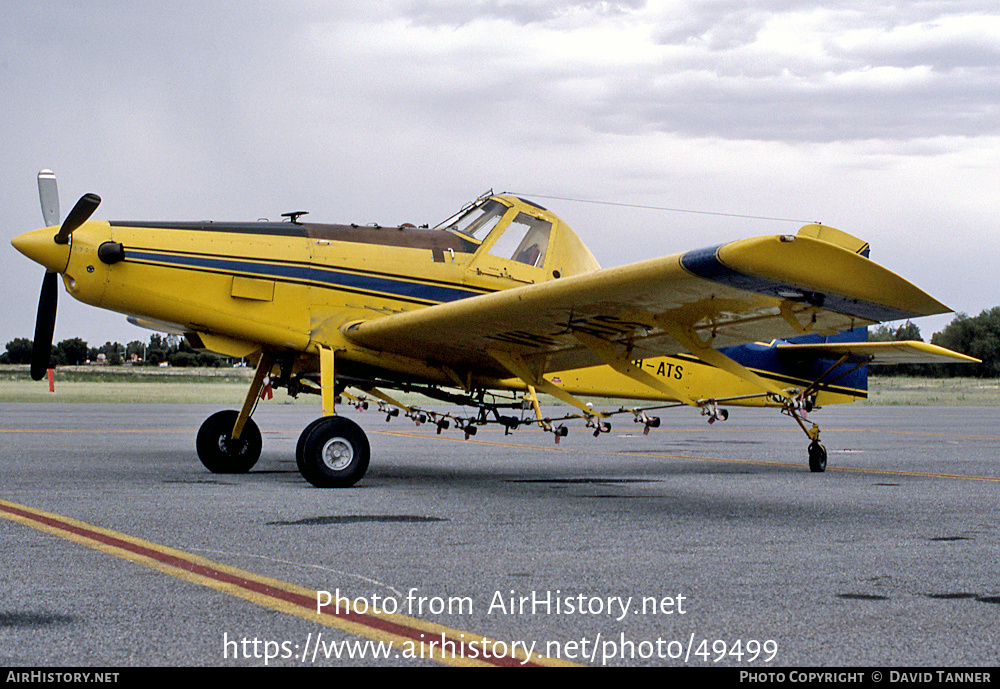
{"x":395,"y":286}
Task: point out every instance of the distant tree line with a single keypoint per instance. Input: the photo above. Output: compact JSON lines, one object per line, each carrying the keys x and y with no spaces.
{"x":75,"y":351}
{"x":977,"y":336}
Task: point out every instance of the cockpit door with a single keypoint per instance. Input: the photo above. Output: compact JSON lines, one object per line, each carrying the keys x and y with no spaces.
{"x":515,"y":250}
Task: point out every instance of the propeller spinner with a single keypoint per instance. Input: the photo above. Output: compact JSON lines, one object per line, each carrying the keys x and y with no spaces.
{"x":51,"y":257}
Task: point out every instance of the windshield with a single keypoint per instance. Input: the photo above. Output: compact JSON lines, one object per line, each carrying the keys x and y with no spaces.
{"x":477,"y":221}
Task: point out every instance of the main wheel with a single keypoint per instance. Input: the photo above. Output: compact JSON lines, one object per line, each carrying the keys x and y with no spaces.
{"x":817,"y":457}
{"x":219,"y":452}
{"x":333,"y":452}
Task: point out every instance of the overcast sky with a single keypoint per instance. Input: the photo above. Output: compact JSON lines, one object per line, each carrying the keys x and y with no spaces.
{"x":881,"y":121}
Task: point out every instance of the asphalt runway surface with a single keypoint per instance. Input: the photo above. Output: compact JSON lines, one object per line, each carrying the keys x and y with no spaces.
{"x":693,"y":546}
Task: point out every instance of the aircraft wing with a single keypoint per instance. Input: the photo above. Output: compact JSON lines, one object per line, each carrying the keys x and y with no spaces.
{"x":758,"y":289}
{"x":901,"y":352}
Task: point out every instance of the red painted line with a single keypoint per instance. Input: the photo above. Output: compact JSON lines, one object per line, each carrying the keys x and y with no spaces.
{"x":296,"y":599}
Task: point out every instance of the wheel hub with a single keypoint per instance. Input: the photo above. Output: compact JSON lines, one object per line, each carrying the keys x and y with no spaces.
{"x":230,"y":447}
{"x":337,"y":454}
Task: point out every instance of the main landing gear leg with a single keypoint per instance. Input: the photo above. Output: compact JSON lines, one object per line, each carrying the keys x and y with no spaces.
{"x":229,"y":442}
{"x":332,"y":452}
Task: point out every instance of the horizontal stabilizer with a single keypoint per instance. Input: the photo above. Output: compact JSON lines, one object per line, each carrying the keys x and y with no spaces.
{"x":903,"y":352}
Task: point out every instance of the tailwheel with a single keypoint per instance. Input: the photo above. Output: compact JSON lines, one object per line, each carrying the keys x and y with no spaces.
{"x":219,"y":452}
{"x":817,"y":456}
{"x":333,"y":452}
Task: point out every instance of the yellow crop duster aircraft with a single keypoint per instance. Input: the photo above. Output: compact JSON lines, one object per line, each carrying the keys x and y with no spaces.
{"x":496,"y":303}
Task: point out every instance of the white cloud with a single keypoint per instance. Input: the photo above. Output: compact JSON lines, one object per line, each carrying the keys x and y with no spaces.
{"x":880,"y":120}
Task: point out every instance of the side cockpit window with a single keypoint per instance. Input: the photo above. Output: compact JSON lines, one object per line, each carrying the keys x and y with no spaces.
{"x":525,"y":240}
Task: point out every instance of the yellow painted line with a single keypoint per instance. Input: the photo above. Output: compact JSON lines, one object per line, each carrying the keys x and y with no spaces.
{"x":924,"y":433}
{"x":663,"y":455}
{"x":119,"y":431}
{"x":409,"y":636}
{"x":99,"y":432}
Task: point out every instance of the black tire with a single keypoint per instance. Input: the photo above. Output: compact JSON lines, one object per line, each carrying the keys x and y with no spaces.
{"x":300,"y":445}
{"x":219,"y":453}
{"x":333,"y":452}
{"x":817,"y":457}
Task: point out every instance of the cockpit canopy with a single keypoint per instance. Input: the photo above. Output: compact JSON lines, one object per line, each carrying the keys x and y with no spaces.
{"x":516,"y":231}
{"x":524,"y":238}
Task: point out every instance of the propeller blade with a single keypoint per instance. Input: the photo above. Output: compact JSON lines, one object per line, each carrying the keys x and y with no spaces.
{"x":48,"y":194}
{"x":81,"y":212}
{"x":45,"y":325}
